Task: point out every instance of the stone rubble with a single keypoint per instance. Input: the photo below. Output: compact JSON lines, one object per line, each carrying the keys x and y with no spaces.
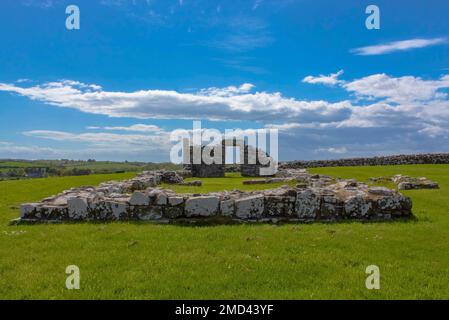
{"x":315,"y":198}
{"x":409,"y":183}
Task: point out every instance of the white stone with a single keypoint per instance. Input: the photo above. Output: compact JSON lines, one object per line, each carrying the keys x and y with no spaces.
{"x":249,"y":207}
{"x":307,"y":204}
{"x":139,"y":199}
{"x":174,"y":201}
{"x":202,"y":206}
{"x":161,"y":199}
{"x":77,"y":207}
{"x":26,"y":209}
{"x":357,"y":206}
{"x":227,"y":207}
{"x":381,"y":191}
{"x":118,"y":209}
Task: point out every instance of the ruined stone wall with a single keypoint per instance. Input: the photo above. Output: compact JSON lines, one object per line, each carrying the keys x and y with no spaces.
{"x":208,"y":171}
{"x":250,"y":165}
{"x":315,"y":198}
{"x":436,"y":158}
{"x":203,"y":170}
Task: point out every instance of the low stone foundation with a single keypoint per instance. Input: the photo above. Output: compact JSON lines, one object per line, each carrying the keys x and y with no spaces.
{"x":315,"y":198}
{"x":410,"y":183}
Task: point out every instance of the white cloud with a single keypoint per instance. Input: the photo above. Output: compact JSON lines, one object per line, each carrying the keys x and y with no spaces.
{"x":132,"y":128}
{"x":11,"y":150}
{"x":21,"y":80}
{"x":109,"y":140}
{"x":391,"y":114}
{"x":99,"y":145}
{"x":231,"y":103}
{"x":398,"y":46}
{"x":331,"y":79}
{"x":334,"y":150}
{"x":228,"y":91}
{"x":402,"y":89}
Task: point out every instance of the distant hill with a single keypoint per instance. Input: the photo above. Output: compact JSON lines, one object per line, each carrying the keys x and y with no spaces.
{"x":19,"y":169}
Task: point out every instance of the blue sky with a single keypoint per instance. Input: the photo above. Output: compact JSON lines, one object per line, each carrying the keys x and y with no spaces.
{"x":138,"y":69}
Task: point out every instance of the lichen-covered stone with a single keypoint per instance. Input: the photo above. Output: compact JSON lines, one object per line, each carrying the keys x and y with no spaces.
{"x":119,"y":210}
{"x":77,"y":208}
{"x":308,"y":204}
{"x":139,"y":199}
{"x":175,"y":201}
{"x":357,"y":207}
{"x":202,"y":206}
{"x":332,"y":206}
{"x":148,"y":213}
{"x":409,"y":183}
{"x":249,"y":207}
{"x":277,"y":205}
{"x":174,"y":212}
{"x":227,"y":207}
{"x":161,"y":199}
{"x":28,"y":210}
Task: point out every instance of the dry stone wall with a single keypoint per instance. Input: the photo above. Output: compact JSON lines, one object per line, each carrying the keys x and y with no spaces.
{"x":315,"y":198}
{"x":431,"y":158}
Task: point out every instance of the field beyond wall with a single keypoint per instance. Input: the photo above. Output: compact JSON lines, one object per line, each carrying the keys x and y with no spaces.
{"x":293,"y":261}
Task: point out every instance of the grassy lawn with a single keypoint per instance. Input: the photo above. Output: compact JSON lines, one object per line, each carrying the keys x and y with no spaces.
{"x":145,"y":261}
{"x":230,"y":182}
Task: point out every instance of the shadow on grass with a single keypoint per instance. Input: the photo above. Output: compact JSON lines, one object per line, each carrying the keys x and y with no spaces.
{"x":221,"y":221}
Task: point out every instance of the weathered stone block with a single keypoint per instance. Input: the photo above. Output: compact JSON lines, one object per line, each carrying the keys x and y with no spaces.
{"x":250,"y":207}
{"x":161,"y":199}
{"x":278,"y":205}
{"x":202,"y":206}
{"x":148,"y":213}
{"x":396,"y":205}
{"x":358,"y":207}
{"x":174,"y":212}
{"x":331,"y":206}
{"x":119,"y":210}
{"x":380,"y":191}
{"x":100,"y":210}
{"x":175,"y":201}
{"x":77,"y":208}
{"x":227,"y":207}
{"x":139,"y":199}
{"x":28,"y":210}
{"x":308,"y":204}
{"x":53,"y":212}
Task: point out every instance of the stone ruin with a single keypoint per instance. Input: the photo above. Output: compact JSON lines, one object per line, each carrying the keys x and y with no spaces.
{"x":408,"y":183}
{"x":313,"y":198}
{"x":250,"y":160}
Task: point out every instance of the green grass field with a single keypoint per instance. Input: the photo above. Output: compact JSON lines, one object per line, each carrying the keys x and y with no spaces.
{"x":146,"y":261}
{"x":230,"y":182}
